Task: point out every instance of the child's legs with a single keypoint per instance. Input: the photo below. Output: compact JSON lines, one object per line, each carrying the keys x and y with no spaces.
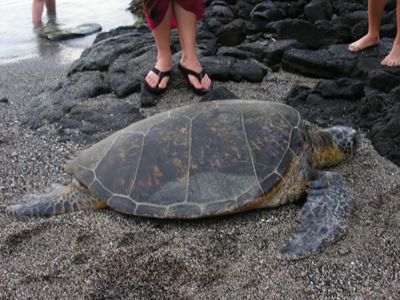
{"x":397,"y":39}
{"x":393,"y":58}
{"x":375,"y":13}
{"x":37,"y":10}
{"x":51,"y":6}
{"x":162,"y":37}
{"x":187,"y":27}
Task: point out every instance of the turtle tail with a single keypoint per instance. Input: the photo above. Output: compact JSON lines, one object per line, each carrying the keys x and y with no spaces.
{"x":56,"y":200}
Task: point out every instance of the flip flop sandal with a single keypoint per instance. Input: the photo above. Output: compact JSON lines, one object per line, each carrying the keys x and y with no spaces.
{"x":199,"y":76}
{"x":157,"y":90}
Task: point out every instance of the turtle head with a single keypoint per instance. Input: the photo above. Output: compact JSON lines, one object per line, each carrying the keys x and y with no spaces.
{"x":333,"y":145}
{"x":345,"y":138}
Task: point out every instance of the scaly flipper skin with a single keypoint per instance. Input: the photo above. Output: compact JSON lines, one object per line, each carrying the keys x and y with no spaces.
{"x":324,"y":216}
{"x":58,"y":199}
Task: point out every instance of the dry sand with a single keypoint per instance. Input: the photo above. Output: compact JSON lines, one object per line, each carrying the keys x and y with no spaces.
{"x":103,"y":254}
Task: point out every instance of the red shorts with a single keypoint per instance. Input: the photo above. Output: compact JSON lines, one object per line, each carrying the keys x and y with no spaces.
{"x":155,"y":10}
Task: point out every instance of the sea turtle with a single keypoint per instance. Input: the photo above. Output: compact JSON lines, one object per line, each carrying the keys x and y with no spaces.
{"x":210,"y":159}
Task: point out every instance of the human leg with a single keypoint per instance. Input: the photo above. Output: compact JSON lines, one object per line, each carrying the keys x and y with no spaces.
{"x":187,"y":27}
{"x":375,"y":13}
{"x":51,"y":6}
{"x":37,"y":11}
{"x":162,"y":37}
{"x":393,"y":58}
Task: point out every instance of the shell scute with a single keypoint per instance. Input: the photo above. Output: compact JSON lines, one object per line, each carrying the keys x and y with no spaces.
{"x":163,"y":168}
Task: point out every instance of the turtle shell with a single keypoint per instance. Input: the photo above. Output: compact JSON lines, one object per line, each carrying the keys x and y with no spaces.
{"x":199,"y":160}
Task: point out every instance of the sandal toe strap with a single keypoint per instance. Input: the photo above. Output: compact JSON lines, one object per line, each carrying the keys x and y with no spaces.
{"x":161,"y":74}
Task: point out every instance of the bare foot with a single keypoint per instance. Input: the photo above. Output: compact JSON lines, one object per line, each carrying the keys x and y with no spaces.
{"x":194,"y":65}
{"x":153,"y":80}
{"x":366,"y":41}
{"x":393,"y":58}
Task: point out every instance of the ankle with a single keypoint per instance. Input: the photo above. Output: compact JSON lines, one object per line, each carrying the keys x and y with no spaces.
{"x":191,"y":62}
{"x":164,"y":62}
{"x":373,"y":35}
{"x":396,"y":41}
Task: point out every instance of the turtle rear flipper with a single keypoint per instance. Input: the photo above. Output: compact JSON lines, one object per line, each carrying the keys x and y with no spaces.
{"x":56,"y":200}
{"x":323,"y":218}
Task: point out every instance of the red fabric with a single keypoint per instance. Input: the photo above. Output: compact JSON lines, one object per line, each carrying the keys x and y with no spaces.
{"x":155,"y":10}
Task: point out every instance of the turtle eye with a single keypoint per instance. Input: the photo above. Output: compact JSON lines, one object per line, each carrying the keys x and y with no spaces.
{"x":345,"y":138}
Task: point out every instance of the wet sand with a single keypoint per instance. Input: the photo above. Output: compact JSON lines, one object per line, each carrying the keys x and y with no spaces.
{"x":103,"y":254}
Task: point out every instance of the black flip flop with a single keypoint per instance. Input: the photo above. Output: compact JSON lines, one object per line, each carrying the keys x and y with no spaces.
{"x":199,"y":76}
{"x":161,"y":75}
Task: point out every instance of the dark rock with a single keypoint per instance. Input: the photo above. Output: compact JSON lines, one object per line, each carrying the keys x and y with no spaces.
{"x":353,"y":18}
{"x":244,"y":9}
{"x":330,"y":102}
{"x":296,"y":8}
{"x":344,"y":88}
{"x":81,"y":85}
{"x":373,"y":107}
{"x":94,"y":122}
{"x":321,"y":64}
{"x":345,"y":8}
{"x":122,"y":30}
{"x":219,"y":93}
{"x":127,"y":72}
{"x":266,"y":12}
{"x":359,"y":30}
{"x":60,"y":33}
{"x":269,"y":51}
{"x":384,"y":80}
{"x":227,"y":68}
{"x":220,"y":9}
{"x":318,"y":10}
{"x":103,"y":53}
{"x":232,"y":33}
{"x":148,"y":99}
{"x":341,"y":32}
{"x":235,"y":53}
{"x":321,"y":111}
{"x":4,"y":100}
{"x":248,"y":69}
{"x":207,"y":44}
{"x":388,"y":30}
{"x":385,"y":134}
{"x":218,"y":68}
{"x":304,"y":32}
{"x":396,"y":91}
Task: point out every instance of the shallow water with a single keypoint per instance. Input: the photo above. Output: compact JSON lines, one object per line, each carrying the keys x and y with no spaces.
{"x":18,"y":39}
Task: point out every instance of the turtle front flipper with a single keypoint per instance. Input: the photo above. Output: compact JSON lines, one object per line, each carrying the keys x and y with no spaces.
{"x":323,"y":218}
{"x":56,"y":200}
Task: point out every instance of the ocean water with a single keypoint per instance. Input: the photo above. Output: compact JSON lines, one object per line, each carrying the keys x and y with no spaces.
{"x":18,"y":39}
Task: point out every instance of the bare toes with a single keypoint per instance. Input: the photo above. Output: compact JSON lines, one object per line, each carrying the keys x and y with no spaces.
{"x":195,"y":82}
{"x":163,"y":83}
{"x":352,"y":47}
{"x":206,"y":83}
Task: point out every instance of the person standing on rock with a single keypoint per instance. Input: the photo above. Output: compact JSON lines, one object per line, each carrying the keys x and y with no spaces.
{"x":162,"y":15}
{"x":375,"y":13}
{"x":37,"y":10}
